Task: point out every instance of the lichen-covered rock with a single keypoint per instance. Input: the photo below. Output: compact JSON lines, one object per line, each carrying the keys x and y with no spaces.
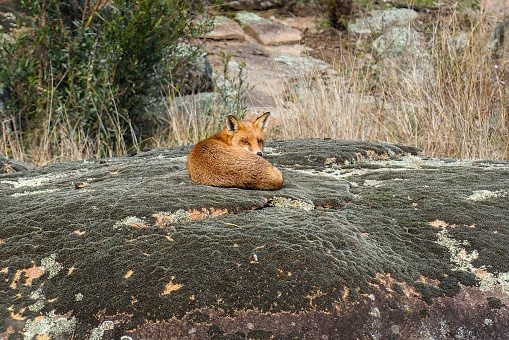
{"x":379,"y":20}
{"x":403,"y":55}
{"x":8,"y":165}
{"x":364,"y":240}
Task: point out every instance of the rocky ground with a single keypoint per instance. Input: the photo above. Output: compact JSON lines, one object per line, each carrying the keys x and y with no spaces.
{"x":279,"y":49}
{"x":364,"y":241}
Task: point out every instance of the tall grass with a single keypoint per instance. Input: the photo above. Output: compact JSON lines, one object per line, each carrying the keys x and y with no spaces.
{"x":461,"y":111}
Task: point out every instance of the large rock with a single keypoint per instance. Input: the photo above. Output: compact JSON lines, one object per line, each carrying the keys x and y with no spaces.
{"x":9,"y":165}
{"x":496,"y":7}
{"x":365,"y":240}
{"x":225,"y":29}
{"x":403,"y":56}
{"x":268,"y":32}
{"x":380,"y":20}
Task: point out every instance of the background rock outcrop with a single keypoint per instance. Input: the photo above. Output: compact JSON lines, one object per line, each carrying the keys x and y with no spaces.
{"x":365,"y":240}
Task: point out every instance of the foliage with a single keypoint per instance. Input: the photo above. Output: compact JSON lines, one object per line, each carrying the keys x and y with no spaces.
{"x":233,"y":89}
{"x":90,"y":64}
{"x":186,"y":119}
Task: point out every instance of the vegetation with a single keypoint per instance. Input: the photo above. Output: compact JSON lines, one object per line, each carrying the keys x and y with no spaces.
{"x":460,"y":110}
{"x":78,"y":84}
{"x":76,"y":81}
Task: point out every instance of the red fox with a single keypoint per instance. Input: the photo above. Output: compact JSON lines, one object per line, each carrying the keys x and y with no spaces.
{"x":233,"y":157}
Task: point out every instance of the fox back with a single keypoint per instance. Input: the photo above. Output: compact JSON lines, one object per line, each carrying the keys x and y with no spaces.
{"x":234,"y":157}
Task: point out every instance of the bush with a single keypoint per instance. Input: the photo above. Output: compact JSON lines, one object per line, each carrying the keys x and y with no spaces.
{"x":88,"y":67}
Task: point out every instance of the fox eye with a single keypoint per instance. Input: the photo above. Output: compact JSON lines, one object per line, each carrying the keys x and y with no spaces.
{"x":244,"y":142}
{"x":260,"y":141}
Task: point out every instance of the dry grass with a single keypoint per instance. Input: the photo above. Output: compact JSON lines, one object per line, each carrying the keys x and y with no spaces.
{"x":461,"y":111}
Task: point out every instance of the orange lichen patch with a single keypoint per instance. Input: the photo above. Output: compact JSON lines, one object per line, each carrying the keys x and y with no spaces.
{"x":137,"y":225}
{"x":171,"y":287}
{"x":42,"y":337}
{"x":79,"y":232}
{"x":16,"y":316}
{"x":206,"y":213}
{"x":427,"y":280}
{"x":444,"y":225}
{"x":439,"y":224}
{"x":69,"y":272}
{"x":1,"y":241}
{"x":30,"y":273}
{"x":162,"y":220}
{"x":376,"y":156}
{"x":168,"y":237}
{"x":387,"y":281}
{"x":62,"y":316}
{"x":371,"y":153}
{"x":133,"y":300}
{"x":128,"y":274}
{"x":481,"y":273}
{"x":313,"y":296}
{"x":8,"y":331}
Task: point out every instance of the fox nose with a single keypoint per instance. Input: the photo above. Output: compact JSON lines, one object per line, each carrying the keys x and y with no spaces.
{"x":259,"y":153}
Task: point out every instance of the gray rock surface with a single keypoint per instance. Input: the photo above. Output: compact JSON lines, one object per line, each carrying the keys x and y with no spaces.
{"x":268,"y":32}
{"x":380,"y":20}
{"x":257,"y":5}
{"x":365,"y":240}
{"x":225,"y":29}
{"x":403,"y":55}
{"x":9,"y":165}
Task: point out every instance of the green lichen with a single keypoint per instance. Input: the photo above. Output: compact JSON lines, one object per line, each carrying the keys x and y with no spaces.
{"x":129,"y":221}
{"x":50,"y":265}
{"x":49,"y":325}
{"x":98,"y":332}
{"x":483,"y":195}
{"x":181,"y":216}
{"x":285,"y":202}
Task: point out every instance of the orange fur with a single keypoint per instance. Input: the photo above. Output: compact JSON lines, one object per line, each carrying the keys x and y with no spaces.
{"x":233,"y":158}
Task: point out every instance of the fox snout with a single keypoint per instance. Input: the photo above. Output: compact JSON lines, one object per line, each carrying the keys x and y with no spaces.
{"x":256,"y":148}
{"x":257,"y":152}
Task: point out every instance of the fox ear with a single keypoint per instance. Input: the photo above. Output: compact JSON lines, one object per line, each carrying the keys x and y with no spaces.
{"x":261,"y":122}
{"x":232,"y":125}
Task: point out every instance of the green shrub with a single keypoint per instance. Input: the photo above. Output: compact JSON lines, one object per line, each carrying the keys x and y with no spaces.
{"x":91,"y":65}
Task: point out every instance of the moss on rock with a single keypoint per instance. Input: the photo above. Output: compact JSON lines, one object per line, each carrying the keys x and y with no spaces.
{"x":357,"y":249}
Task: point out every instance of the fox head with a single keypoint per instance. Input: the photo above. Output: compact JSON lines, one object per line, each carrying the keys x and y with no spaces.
{"x":250,"y":136}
